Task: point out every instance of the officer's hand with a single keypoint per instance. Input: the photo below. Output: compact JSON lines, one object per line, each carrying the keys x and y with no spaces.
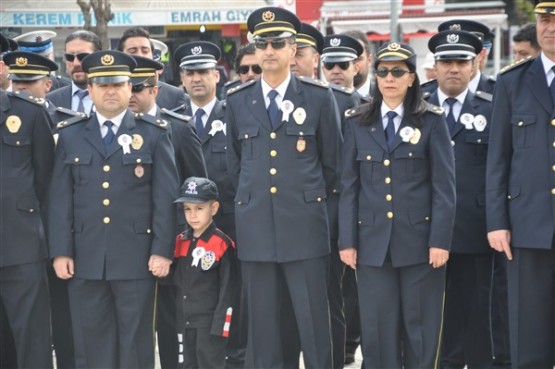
{"x":349,"y":257}
{"x":438,"y":257}
{"x":500,"y":240}
{"x":159,"y":266}
{"x":63,"y":266}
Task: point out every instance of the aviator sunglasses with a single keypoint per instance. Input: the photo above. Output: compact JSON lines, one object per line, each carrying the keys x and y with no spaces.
{"x":80,"y":56}
{"x":276,"y":44}
{"x":395,"y":72}
{"x":343,"y":65}
{"x":244,"y":69}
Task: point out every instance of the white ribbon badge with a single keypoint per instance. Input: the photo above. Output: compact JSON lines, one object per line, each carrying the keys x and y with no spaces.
{"x":198,"y":253}
{"x":286,"y":107}
{"x":125,"y":142}
{"x":217,"y":126}
{"x":406,"y":133}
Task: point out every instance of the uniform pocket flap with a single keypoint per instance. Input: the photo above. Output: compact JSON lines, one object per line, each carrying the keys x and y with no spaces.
{"x":300,"y":130}
{"x":369,"y":155}
{"x":13,"y":140}
{"x":78,"y":158}
{"x":522,"y":120}
{"x":242,"y":198}
{"x":514,"y":192}
{"x":316,"y":195}
{"x":218,"y":147}
{"x":477,"y":138}
{"x":142,"y":227}
{"x":137,"y":158}
{"x":419,"y":215}
{"x":366,"y":218}
{"x":408,"y":152}
{"x":28,"y":203}
{"x":248,"y":132}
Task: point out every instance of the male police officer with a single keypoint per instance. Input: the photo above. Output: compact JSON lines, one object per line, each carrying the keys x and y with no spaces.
{"x":521,"y":193}
{"x":26,"y":157}
{"x":113,"y":225}
{"x":466,"y":334}
{"x":283,"y":148}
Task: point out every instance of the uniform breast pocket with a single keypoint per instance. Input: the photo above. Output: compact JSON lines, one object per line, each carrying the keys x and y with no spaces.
{"x":18,"y":149}
{"x":301,"y":141}
{"x":80,"y":164}
{"x":247,"y":137}
{"x":218,"y":155}
{"x":370,"y":163}
{"x":478,"y":141}
{"x":137,"y":167}
{"x":524,"y":127}
{"x":410,"y":161}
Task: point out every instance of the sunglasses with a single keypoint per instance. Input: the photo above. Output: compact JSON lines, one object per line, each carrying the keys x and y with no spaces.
{"x":140,"y":88}
{"x":244,"y":69}
{"x":395,"y":72}
{"x":276,"y":44}
{"x":80,"y":56}
{"x":343,"y":65}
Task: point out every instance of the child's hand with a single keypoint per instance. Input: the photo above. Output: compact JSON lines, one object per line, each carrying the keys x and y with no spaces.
{"x":159,"y":266}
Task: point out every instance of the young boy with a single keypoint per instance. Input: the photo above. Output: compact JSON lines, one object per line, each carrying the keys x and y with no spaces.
{"x":204,"y":276}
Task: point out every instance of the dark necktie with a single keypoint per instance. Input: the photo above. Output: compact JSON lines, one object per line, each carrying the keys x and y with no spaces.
{"x":451,"y":116}
{"x":109,"y":136}
{"x":198,"y":123}
{"x":81,"y":95}
{"x":390,"y":128}
{"x":552,"y":88}
{"x":273,"y":108}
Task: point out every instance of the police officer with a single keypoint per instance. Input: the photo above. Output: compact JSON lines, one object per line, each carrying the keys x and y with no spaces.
{"x":466,"y":327}
{"x":520,"y":195}
{"x":113,"y":225}
{"x":190,"y":162}
{"x":27,"y":153}
{"x":283,"y":141}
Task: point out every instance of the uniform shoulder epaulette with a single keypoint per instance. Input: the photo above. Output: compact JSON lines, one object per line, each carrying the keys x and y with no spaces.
{"x":70,"y":112}
{"x":27,"y":97}
{"x":357,"y":110}
{"x":516,"y":64}
{"x":233,"y":82}
{"x":365,"y":99}
{"x":345,"y":90}
{"x":80,"y":117}
{"x":161,"y":123}
{"x":182,"y":117}
{"x":437,"y":110}
{"x":426,"y":94}
{"x":484,"y":96}
{"x":431,"y":82}
{"x":492,"y":78}
{"x":314,"y":82}
{"x":240,"y":87}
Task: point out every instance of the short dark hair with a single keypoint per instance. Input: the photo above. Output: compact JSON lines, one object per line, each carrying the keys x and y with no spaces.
{"x":86,"y":36}
{"x":527,"y":33}
{"x":362,"y":38}
{"x":135,"y":32}
{"x":247,"y":49}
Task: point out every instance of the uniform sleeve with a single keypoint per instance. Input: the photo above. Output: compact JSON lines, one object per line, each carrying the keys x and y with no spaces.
{"x":43,"y":155}
{"x":60,"y":211}
{"x":188,"y":152}
{"x":228,"y":278}
{"x":442,"y":171}
{"x":164,"y":192}
{"x":350,"y":185}
{"x":499,"y":160}
{"x":329,"y":142}
{"x":233,"y":146}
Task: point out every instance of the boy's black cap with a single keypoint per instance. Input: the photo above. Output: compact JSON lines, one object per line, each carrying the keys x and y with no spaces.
{"x":27,"y":66}
{"x":198,"y":190}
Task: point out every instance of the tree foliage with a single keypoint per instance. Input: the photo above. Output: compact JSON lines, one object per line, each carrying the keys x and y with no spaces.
{"x":102,"y":11}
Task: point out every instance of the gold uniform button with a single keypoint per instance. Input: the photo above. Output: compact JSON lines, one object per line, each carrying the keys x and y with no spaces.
{"x":387,"y":180}
{"x":334,"y":190}
{"x":553,"y":191}
{"x":388,"y":197}
{"x":273,"y":135}
{"x":479,"y":140}
{"x":520,"y":124}
{"x":389,"y":215}
{"x":149,"y":231}
{"x":17,"y":143}
{"x":386,"y":162}
{"x":553,"y":168}
{"x":273,"y":153}
{"x":246,"y":137}
{"x":452,"y":143}
{"x":273,"y":189}
{"x":410,"y":154}
{"x":106,"y":202}
{"x":106,"y":220}
{"x":106,"y":168}
{"x":273,"y":171}
{"x":509,"y":197}
{"x":105,"y":185}
{"x":553,"y":122}
{"x":76,"y":160}
{"x":369,"y":157}
{"x":31,"y":210}
{"x":319,"y":199}
{"x":426,"y":218}
{"x":139,"y":161}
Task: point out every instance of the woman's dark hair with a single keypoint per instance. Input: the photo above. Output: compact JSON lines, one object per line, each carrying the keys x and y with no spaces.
{"x":414,"y":105}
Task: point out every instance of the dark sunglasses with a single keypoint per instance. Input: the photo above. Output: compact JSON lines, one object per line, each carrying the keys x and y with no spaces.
{"x":276,"y":44}
{"x":140,"y":88}
{"x":395,"y":72}
{"x":343,"y":65}
{"x":244,"y":69}
{"x":80,"y":56}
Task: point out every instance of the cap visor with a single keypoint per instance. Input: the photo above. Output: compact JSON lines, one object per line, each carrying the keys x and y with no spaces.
{"x":194,"y":200}
{"x":26,"y":77}
{"x":336,"y":59}
{"x":110,"y":79}
{"x":138,"y":80}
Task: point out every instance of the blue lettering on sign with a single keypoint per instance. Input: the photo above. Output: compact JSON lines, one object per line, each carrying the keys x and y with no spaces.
{"x":196,"y":17}
{"x":121,"y":19}
{"x":238,"y":16}
{"x":41,"y":19}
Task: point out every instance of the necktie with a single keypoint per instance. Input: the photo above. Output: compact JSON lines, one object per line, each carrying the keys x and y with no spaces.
{"x":451,"y":116}
{"x":81,"y":95}
{"x":552,"y":88}
{"x":198,"y":123}
{"x":273,"y":108}
{"x":109,"y":136}
{"x":390,"y":128}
